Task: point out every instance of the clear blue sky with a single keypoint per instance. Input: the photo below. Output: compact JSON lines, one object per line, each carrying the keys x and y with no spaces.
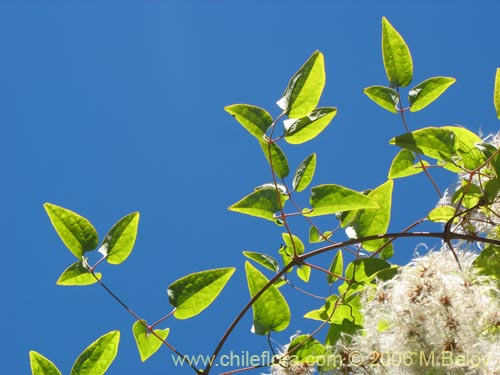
{"x":109,"y":107}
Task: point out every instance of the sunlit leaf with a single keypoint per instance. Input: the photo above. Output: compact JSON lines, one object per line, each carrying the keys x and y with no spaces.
{"x":442,"y":214}
{"x":77,"y":274}
{"x":427,"y":91}
{"x":387,"y":251}
{"x":75,"y":231}
{"x":436,"y":143}
{"x":331,"y":199}
{"x":286,"y":253}
{"x":491,"y":190}
{"x":192,"y":294}
{"x":368,"y":222}
{"x":365,"y":270}
{"x":293,"y":242}
{"x":262,"y":203}
{"x":336,"y":267}
{"x":397,"y":58}
{"x":41,"y":365}
{"x":404,"y":165}
{"x":306,"y":128}
{"x":254,"y":119}
{"x":488,"y":261}
{"x":275,"y":155}
{"x":305,"y":87}
{"x":335,"y":310}
{"x":345,"y":329}
{"x":263,"y":259}
{"x":470,"y":156}
{"x":305,"y":172}
{"x":385,"y":97}
{"x":147,"y":343}
{"x":270,"y":310}
{"x":496,"y":93}
{"x":306,"y":349}
{"x":98,"y":356}
{"x":315,"y":236}
{"x":120,"y":239}
{"x":468,"y":194}
{"x":304,"y":273}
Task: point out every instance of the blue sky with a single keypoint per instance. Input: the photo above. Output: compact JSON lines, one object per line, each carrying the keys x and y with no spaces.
{"x":110,"y":107}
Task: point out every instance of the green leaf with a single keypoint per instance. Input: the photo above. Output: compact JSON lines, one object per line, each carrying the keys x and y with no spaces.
{"x":441,"y":214}
{"x":147,"y":343}
{"x":254,"y":119}
{"x":434,"y":142}
{"x":336,"y":267}
{"x":286,"y":253}
{"x":77,"y":274}
{"x":315,"y":236}
{"x":387,"y":252}
{"x":470,"y":156}
{"x":305,"y":87}
{"x":491,"y":189}
{"x":74,"y":230}
{"x":306,"y":349}
{"x":120,"y":239}
{"x":270,"y":310}
{"x":193,"y":293}
{"x":294,"y":243}
{"x":274,"y":153}
{"x":336,"y":311}
{"x":488,"y":261}
{"x":41,"y":365}
{"x":304,"y":273}
{"x":262,"y":203}
{"x":366,"y":269}
{"x":345,"y":329}
{"x":404,"y":165}
{"x":263,"y":259}
{"x":330,"y":199}
{"x":304,"y":129}
{"x":397,"y":58}
{"x":385,"y":97}
{"x":305,"y":173}
{"x":496,"y":93}
{"x":368,"y":222}
{"x":98,"y":356}
{"x":427,"y":91}
{"x":471,"y":193}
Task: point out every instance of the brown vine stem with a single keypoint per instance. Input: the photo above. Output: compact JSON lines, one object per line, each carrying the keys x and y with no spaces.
{"x":301,"y":258}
